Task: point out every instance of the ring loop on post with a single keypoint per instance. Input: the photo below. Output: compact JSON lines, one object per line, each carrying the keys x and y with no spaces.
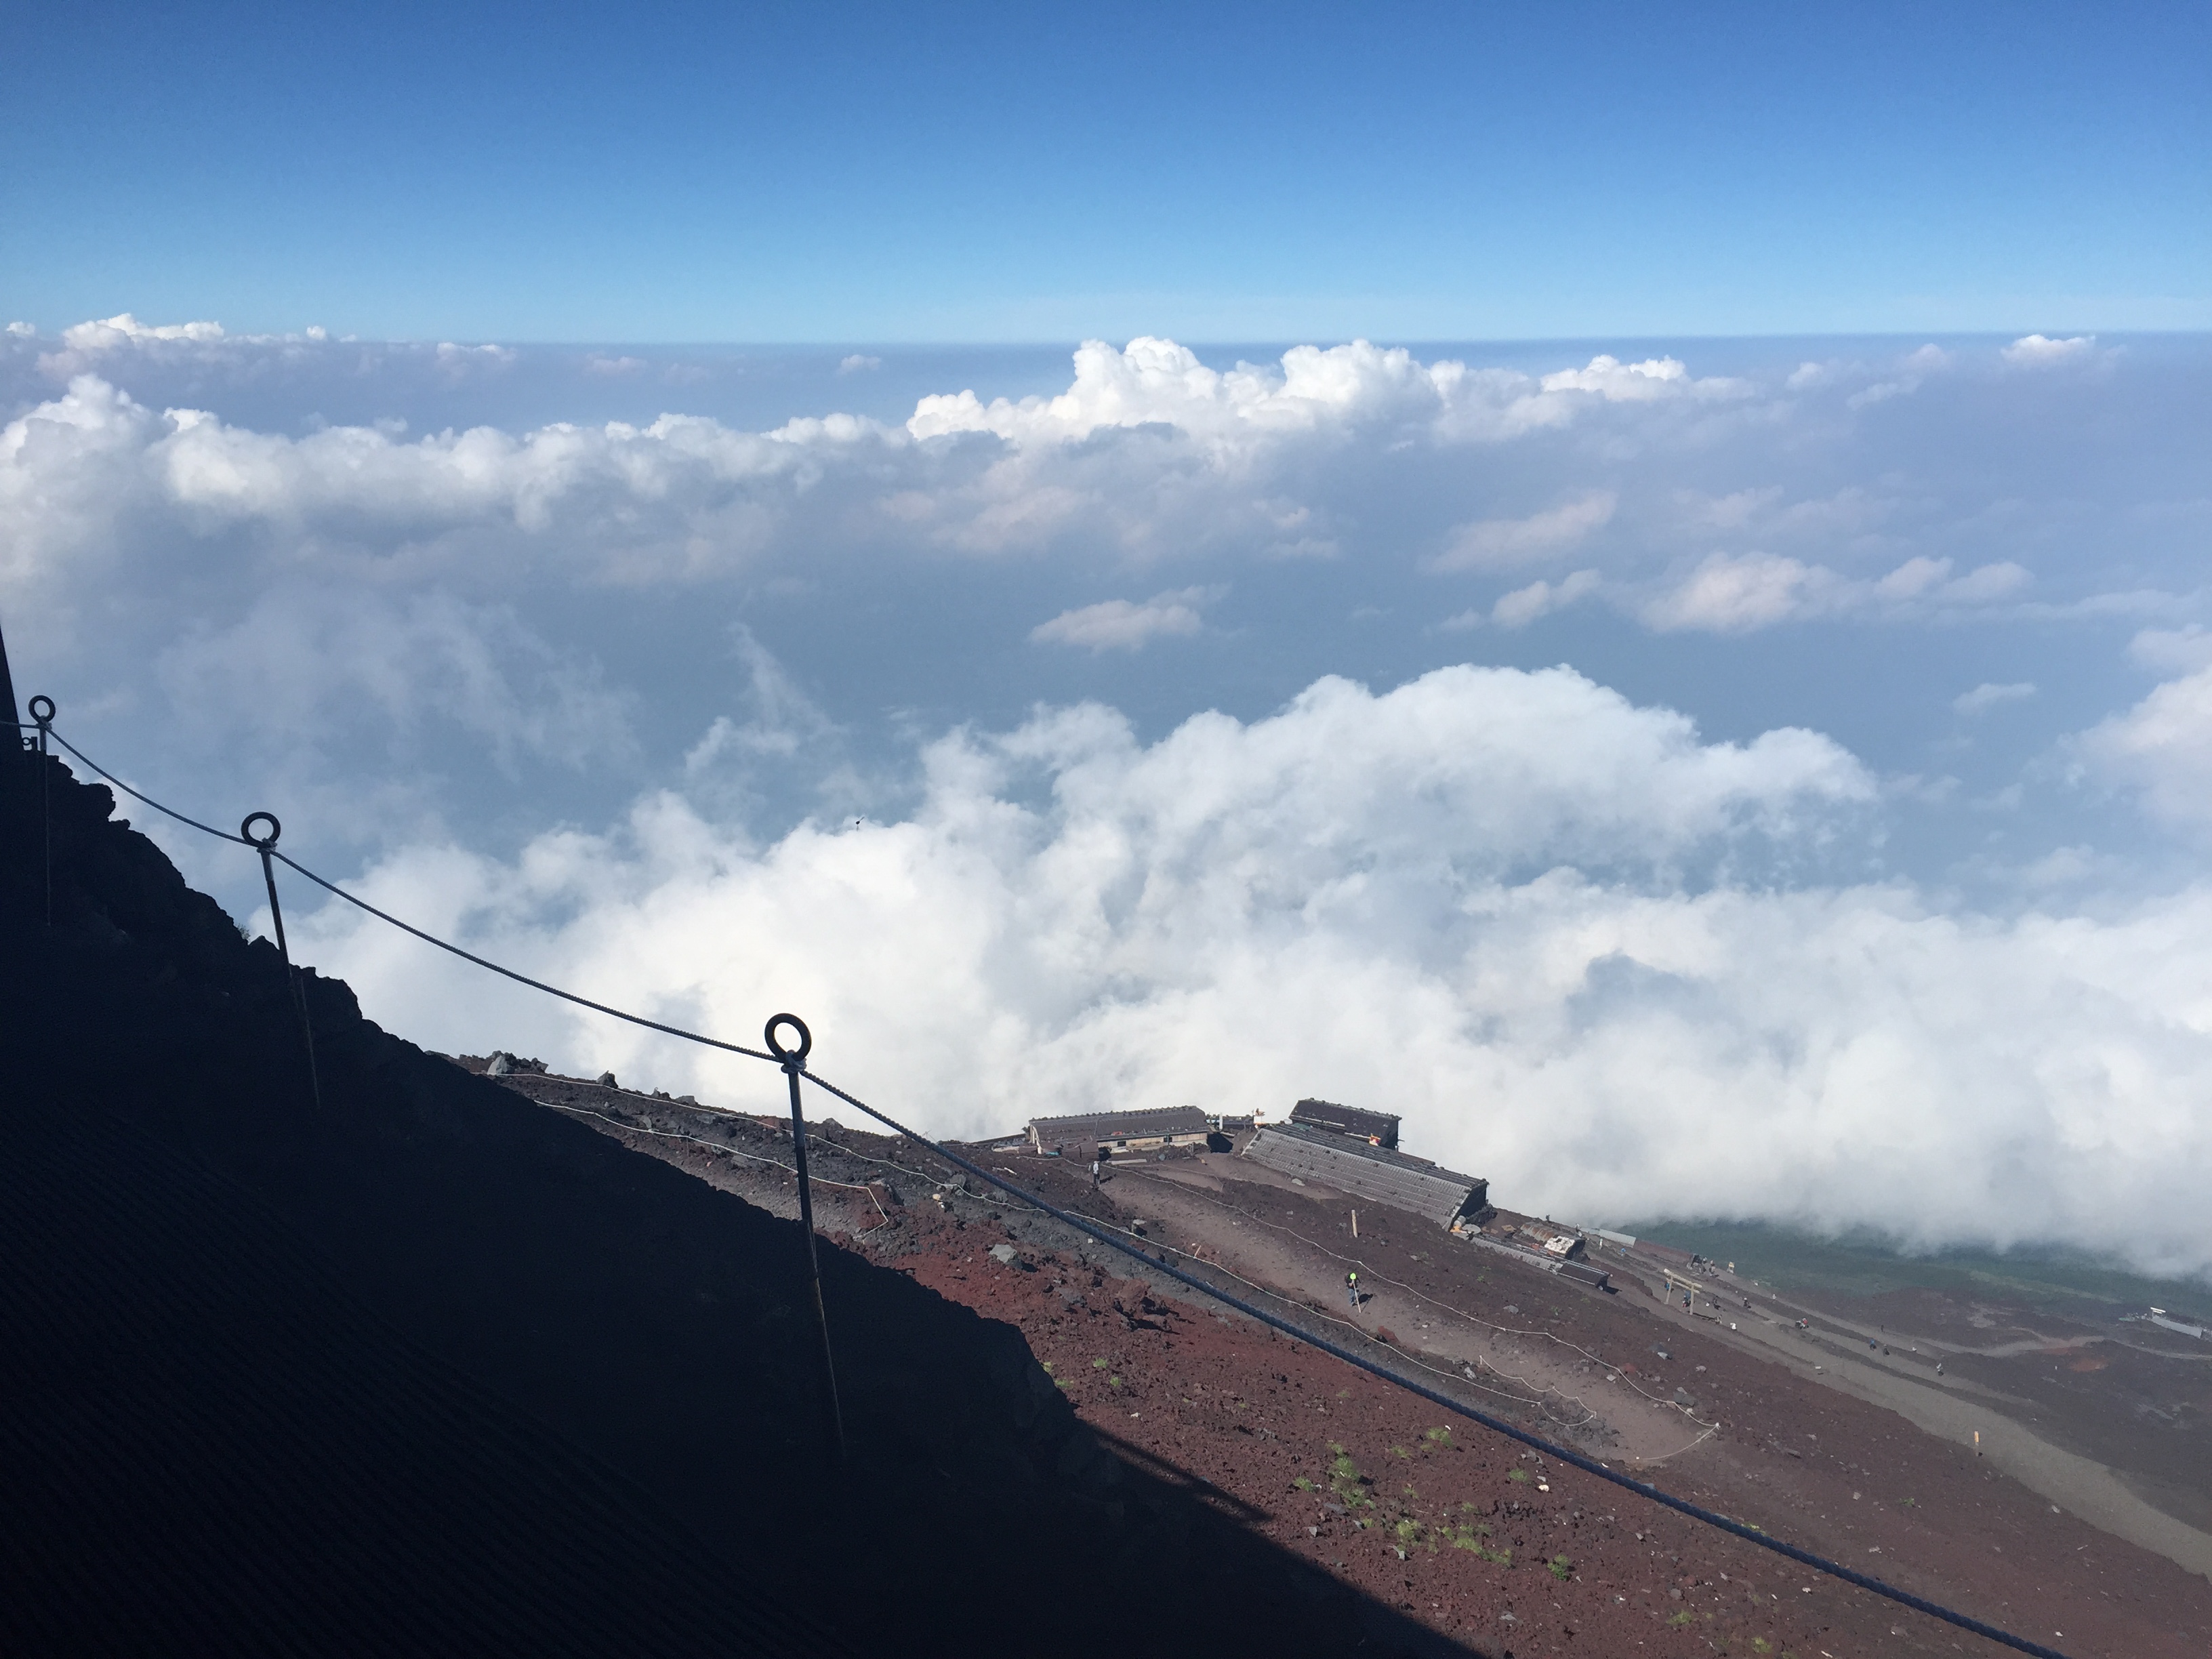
{"x":265,"y":842}
{"x":44,"y":717}
{"x":792,"y":1059}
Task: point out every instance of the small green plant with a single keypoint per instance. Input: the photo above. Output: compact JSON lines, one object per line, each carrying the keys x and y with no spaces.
{"x":1058,"y":1382}
{"x":1908,"y":1502}
{"x":1760,"y":1645}
{"x":1685,"y":1617}
{"x":1561,"y":1568}
{"x":1097,"y":1364}
{"x":1437,"y":1437}
{"x":1517,"y":1474}
{"x":1113,"y":1382}
{"x":1399,"y":1451}
{"x":1345,"y":1480}
{"x":1046,"y":1363}
{"x":1302,"y":1483}
{"x":1408,"y":1531}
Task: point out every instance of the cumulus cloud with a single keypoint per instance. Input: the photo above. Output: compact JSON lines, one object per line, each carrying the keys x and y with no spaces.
{"x":304,"y":662}
{"x":2161,"y":749}
{"x":1986,"y":696}
{"x":2039,"y":351}
{"x":1739,"y":593}
{"x":1157,"y":382}
{"x":1734,"y":594}
{"x":1119,"y":625}
{"x":459,"y":597}
{"x":857,"y":363}
{"x":1539,"y":598}
{"x":1532,"y":916}
{"x":115,"y":332}
{"x":1499,"y":543}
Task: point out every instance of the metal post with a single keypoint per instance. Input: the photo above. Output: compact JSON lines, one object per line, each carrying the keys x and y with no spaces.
{"x":46,"y":718}
{"x":265,"y":845}
{"x":794,"y":1062}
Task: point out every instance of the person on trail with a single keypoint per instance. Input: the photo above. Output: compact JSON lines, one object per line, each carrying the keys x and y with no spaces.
{"x":1094,"y":1172}
{"x":1351,"y":1288}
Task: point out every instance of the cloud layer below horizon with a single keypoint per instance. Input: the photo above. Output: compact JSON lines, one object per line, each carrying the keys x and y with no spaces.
{"x":1185,"y":731}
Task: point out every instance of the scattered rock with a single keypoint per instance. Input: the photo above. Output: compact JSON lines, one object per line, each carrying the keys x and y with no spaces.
{"x":502,"y":1064}
{"x":1004,"y":1254}
{"x":606,"y":1080}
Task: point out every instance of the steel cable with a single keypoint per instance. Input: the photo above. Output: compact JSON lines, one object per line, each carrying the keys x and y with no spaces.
{"x":1588,"y":1465}
{"x":1158,"y":1263}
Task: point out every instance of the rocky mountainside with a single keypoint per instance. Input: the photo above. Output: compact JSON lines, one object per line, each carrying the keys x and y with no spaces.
{"x":428,"y":1368}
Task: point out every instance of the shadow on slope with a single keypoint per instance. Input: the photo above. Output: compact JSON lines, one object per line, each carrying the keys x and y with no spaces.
{"x":431,"y":1359}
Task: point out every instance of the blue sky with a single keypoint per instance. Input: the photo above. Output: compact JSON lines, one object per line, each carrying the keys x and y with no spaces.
{"x":980,"y":172}
{"x":1676,"y":652}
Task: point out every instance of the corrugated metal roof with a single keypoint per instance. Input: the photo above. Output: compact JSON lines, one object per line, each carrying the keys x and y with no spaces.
{"x":1138,"y":1125}
{"x":1365,"y":1171}
{"x":1346,"y":1120}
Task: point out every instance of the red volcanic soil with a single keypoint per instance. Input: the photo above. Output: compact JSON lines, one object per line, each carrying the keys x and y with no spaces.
{"x":1501,"y":1550}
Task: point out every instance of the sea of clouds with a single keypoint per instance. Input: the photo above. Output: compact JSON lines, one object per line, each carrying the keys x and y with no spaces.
{"x":1775,"y":789}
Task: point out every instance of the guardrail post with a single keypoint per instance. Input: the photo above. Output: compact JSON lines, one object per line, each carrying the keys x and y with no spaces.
{"x":794,"y":1062}
{"x":266,"y":845}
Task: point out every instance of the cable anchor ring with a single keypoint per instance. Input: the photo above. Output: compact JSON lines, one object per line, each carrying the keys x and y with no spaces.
{"x":266,"y":843}
{"x":793,"y":1060}
{"x":45,"y":717}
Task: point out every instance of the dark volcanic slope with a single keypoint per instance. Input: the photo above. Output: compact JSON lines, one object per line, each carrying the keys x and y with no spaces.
{"x":210,"y":1446}
{"x":419,"y":1322}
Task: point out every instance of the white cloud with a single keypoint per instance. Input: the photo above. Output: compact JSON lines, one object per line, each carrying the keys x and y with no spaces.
{"x":1501,"y":543}
{"x":1539,"y":598}
{"x":1158,"y":382}
{"x":2161,"y":749}
{"x":1985,"y":583}
{"x":1872,"y":383}
{"x":1735,"y":594}
{"x":2171,"y":649}
{"x":2039,"y":351}
{"x":458,"y":362}
{"x":116,"y":332}
{"x":304,"y":662}
{"x":1568,"y":910}
{"x":1458,"y":899}
{"x":857,"y":364}
{"x":1986,"y":696}
{"x":1119,"y":625}
{"x":1729,"y":593}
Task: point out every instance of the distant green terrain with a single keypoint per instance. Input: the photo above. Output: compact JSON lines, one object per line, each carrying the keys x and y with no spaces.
{"x":1867,"y":1264}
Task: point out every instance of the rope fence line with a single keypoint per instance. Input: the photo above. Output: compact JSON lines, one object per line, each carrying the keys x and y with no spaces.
{"x":717,"y":1146}
{"x":1466,"y":1318}
{"x":793,"y":1063}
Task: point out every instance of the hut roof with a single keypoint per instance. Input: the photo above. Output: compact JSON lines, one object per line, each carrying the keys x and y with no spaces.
{"x":1365,"y":1171}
